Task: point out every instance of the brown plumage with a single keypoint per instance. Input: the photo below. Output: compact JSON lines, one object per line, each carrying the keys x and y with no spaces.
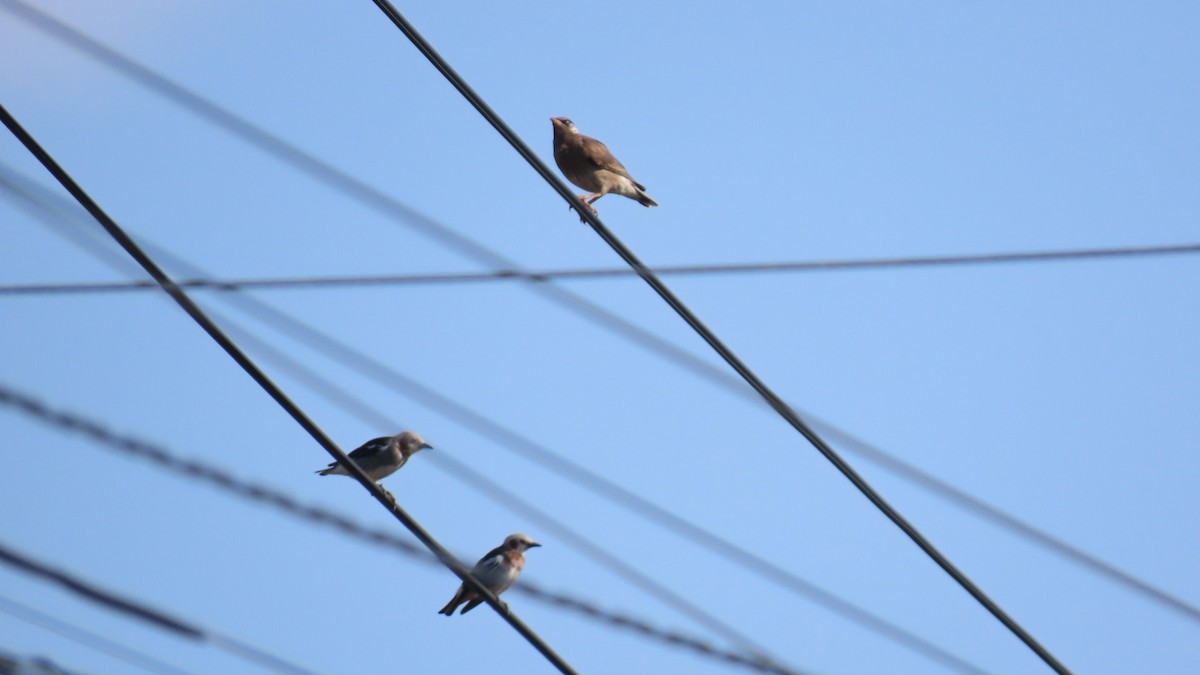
{"x":496,"y":571}
{"x":588,"y":163}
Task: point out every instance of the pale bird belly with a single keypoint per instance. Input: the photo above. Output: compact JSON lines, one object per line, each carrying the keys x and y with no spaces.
{"x":498,"y":578}
{"x":616,"y":184}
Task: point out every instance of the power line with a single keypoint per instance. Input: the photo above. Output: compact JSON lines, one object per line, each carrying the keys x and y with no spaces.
{"x":87,"y":638}
{"x":145,"y":614}
{"x":711,"y":338}
{"x":353,"y":281}
{"x":503,"y":436}
{"x":409,"y":217}
{"x":194,"y":470}
{"x":274,"y":391}
{"x":512,"y":502}
{"x":25,"y":188}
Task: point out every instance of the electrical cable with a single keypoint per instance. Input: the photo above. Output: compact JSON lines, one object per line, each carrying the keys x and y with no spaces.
{"x":711,"y":338}
{"x":387,"y":376}
{"x":517,"y":443}
{"x":603,"y":318}
{"x":354,"y":281}
{"x":506,"y":438}
{"x":275,"y":392}
{"x":145,"y":614}
{"x":87,"y":638}
{"x":164,"y":459}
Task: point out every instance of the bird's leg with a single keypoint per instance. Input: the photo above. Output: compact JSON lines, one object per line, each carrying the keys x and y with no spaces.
{"x":503,"y":606}
{"x":584,"y":199}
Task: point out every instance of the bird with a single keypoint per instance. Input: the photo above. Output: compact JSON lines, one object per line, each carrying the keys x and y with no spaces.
{"x":381,"y":457}
{"x":496,"y":571}
{"x":589,"y":164}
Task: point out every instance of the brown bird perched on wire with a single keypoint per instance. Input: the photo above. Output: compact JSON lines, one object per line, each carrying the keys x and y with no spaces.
{"x":588,"y":163}
{"x":496,"y":571}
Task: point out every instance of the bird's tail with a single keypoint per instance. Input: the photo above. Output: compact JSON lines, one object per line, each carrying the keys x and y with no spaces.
{"x":457,"y":600}
{"x":331,"y":469}
{"x":643,"y":198}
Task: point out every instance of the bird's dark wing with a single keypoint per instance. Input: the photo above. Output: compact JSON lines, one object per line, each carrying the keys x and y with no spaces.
{"x":598,"y":154}
{"x":371,"y":448}
{"x":490,"y":560}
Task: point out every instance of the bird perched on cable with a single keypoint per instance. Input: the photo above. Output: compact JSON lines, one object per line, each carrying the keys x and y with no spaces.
{"x":588,"y":163}
{"x":381,"y":457}
{"x":496,"y":571}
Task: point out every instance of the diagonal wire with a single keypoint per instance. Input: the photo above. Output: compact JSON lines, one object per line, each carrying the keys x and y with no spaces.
{"x":509,"y":500}
{"x":145,"y":614}
{"x":359,"y":280}
{"x":777,"y":403}
{"x":603,"y":318}
{"x":194,"y":470}
{"x":507,"y":438}
{"x":274,"y":391}
{"x":87,"y":638}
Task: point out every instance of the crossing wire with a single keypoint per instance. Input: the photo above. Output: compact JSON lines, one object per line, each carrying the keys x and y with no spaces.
{"x":614,"y":323}
{"x":145,"y":614}
{"x":163,"y":458}
{"x":350,"y":281}
{"x":274,"y":391}
{"x":711,"y":338}
{"x":87,"y":638}
{"x":506,"y":438}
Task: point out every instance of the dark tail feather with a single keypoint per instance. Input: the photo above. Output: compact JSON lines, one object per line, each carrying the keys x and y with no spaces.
{"x":643,"y":198}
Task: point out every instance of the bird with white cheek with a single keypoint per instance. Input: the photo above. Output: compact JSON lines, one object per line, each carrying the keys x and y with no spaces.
{"x":589,"y":164}
{"x":496,"y":571}
{"x":381,"y":457}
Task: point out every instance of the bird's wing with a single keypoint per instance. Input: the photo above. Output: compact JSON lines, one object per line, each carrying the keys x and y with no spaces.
{"x":488,"y":562}
{"x":371,"y":448}
{"x":598,"y":154}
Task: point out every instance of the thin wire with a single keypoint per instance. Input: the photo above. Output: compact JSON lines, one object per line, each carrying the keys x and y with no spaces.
{"x":164,"y":459}
{"x":603,"y":318}
{"x":528,"y":448}
{"x":141,"y":612}
{"x":275,"y":392}
{"x":87,"y":638}
{"x":511,"y":501}
{"x":352,"y":281}
{"x":505,"y":437}
{"x":711,"y":338}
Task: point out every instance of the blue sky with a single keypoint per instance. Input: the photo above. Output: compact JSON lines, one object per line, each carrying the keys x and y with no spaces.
{"x":1063,"y":393}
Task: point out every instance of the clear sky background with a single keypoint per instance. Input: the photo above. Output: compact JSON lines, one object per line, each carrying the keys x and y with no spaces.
{"x":1063,"y":393}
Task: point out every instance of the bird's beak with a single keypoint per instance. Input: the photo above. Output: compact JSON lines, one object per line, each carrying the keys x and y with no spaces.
{"x":427,"y":446}
{"x":533,"y":544}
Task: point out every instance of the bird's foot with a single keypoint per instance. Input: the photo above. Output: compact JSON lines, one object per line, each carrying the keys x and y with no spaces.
{"x":503,"y":606}
{"x":590,"y":208}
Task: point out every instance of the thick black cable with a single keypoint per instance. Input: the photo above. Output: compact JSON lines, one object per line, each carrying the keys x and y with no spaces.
{"x":87,"y":638}
{"x":509,"y":439}
{"x":164,"y":459}
{"x":274,"y":391}
{"x":145,"y":614}
{"x":506,"y":438}
{"x":354,"y":281}
{"x":711,"y":338}
{"x":511,"y":502}
{"x":603,"y":318}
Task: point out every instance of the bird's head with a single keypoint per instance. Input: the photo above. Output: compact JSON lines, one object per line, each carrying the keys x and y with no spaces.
{"x":411,"y":442}
{"x":563,"y":125}
{"x":520,"y":542}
